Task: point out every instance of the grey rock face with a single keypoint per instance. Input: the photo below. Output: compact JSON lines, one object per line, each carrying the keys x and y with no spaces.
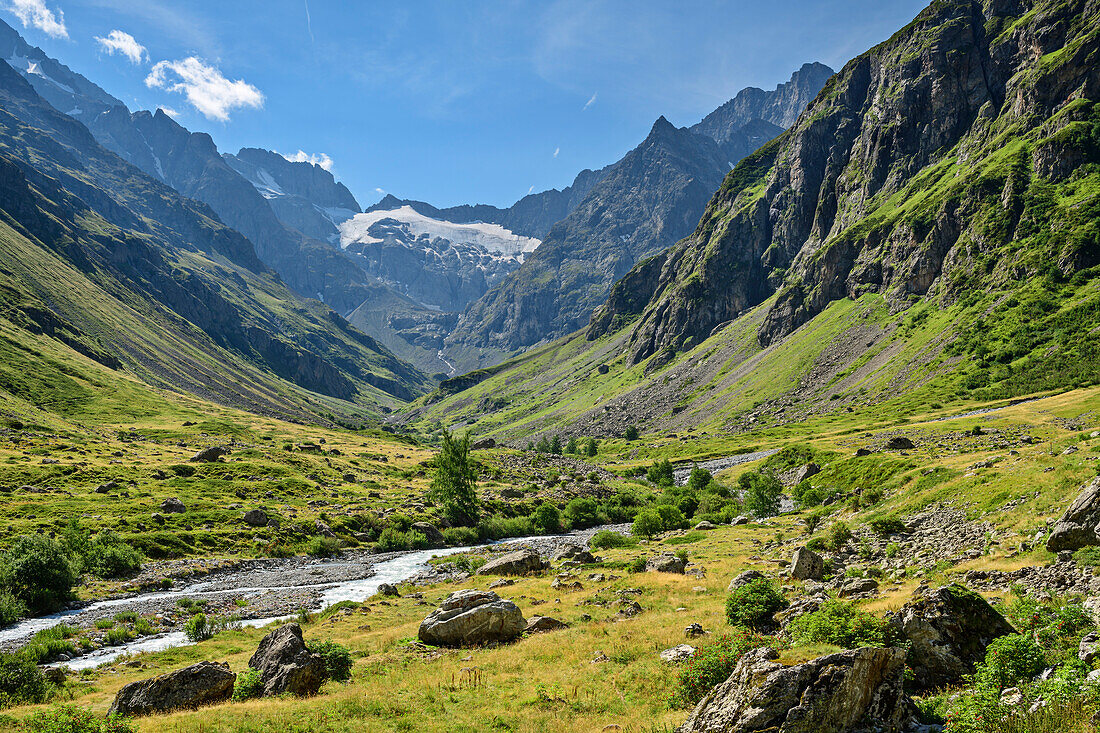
{"x":948,"y":629}
{"x":539,"y":624}
{"x":1080,"y":525}
{"x":200,"y":684}
{"x":256,"y":518}
{"x":678,"y":654}
{"x":471,"y":618}
{"x":520,"y":562}
{"x":665,"y":564}
{"x":837,"y":693}
{"x":1089,"y":649}
{"x":807,"y":565}
{"x":575,"y":553}
{"x":286,"y":665}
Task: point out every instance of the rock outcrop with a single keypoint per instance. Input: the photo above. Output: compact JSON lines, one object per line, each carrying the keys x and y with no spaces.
{"x":666,"y":564}
{"x":854,"y":690}
{"x":1080,"y":525}
{"x":200,"y":684}
{"x":948,"y":630}
{"x":472,"y":618}
{"x":520,"y":562}
{"x":807,"y":565}
{"x":286,"y":665}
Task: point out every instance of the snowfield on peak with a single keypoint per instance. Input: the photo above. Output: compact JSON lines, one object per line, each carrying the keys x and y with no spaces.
{"x":491,"y":237}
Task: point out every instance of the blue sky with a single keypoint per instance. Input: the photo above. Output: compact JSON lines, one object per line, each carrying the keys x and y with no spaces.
{"x":448,"y":102}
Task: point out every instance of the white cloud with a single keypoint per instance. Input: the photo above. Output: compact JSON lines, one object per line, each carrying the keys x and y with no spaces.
{"x":591,"y":101}
{"x":123,"y":43}
{"x":34,"y":13}
{"x":556,"y":151}
{"x":206,"y":88}
{"x":169,"y":111}
{"x":379,"y":190}
{"x":320,"y":160}
{"x":531,"y":189}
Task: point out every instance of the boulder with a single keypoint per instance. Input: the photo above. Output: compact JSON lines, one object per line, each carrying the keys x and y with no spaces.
{"x":322,"y":529}
{"x":484,"y":444}
{"x":388,"y":589}
{"x":848,"y":691}
{"x":520,"y":562}
{"x":705,"y":526}
{"x":858,"y":588}
{"x":1089,"y":649}
{"x":575,"y":553}
{"x":172,"y":506}
{"x":286,"y":665}
{"x":744,"y":579}
{"x":739,"y":520}
{"x":678,"y":654}
{"x":200,"y":684}
{"x":948,"y":629}
{"x":666,"y":564}
{"x":209,"y":455}
{"x":807,"y":565}
{"x":430,"y":532}
{"x":899,"y":442}
{"x":107,"y":487}
{"x":470,"y":618}
{"x":1080,"y":525}
{"x":796,"y":476}
{"x":538,"y":624}
{"x":256,"y":518}
{"x":692,"y":631}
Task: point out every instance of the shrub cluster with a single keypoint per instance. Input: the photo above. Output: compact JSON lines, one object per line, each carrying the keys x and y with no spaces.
{"x":754,"y":603}
{"x":843,"y":624}
{"x":712,"y":664}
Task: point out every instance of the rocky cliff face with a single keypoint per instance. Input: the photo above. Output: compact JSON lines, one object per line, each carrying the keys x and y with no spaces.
{"x":633,"y":209}
{"x":929,"y":166}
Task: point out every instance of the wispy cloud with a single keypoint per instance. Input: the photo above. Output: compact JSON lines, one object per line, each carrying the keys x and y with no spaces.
{"x":556,"y":151}
{"x":169,"y":111}
{"x":309,"y":23}
{"x":379,"y":190}
{"x":530,"y":190}
{"x":591,"y":101}
{"x":120,"y":42}
{"x":320,"y":160}
{"x":35,"y":14}
{"x":205,"y":87}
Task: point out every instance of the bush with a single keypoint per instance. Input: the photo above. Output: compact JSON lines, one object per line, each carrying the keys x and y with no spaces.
{"x":637,"y":565}
{"x":108,"y":556}
{"x":647,"y":523}
{"x":712,"y":664}
{"x":660,"y":473}
{"x":460,"y":536}
{"x":323,"y":546}
{"x":249,"y":684}
{"x":37,"y":571}
{"x":631,"y":433}
{"x":1011,"y":659}
{"x":699,"y":479}
{"x":546,"y":518}
{"x":753,"y":604}
{"x":841,"y":624}
{"x":886,"y":525}
{"x":582,"y":513}
{"x":11,"y":608}
{"x":591,"y":448}
{"x":337,"y":659}
{"x":760,"y":493}
{"x":69,"y":718}
{"x":21,"y":681}
{"x":837,"y":536}
{"x":605,"y":539}
{"x":201,"y":627}
{"x":671,"y":517}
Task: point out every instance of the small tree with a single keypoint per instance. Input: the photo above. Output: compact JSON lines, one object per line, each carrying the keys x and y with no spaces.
{"x":700,"y":479}
{"x":591,"y":448}
{"x":455,"y":480}
{"x":543,"y":446}
{"x":646,"y":524}
{"x":660,"y":473}
{"x":572,"y":446}
{"x":631,"y":433}
{"x":555,"y":445}
{"x":546,"y":518}
{"x":761,"y":493}
{"x":38,"y":571}
{"x":582,"y":512}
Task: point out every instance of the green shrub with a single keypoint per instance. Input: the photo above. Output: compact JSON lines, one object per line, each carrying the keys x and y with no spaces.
{"x":249,"y":684}
{"x":647,"y":523}
{"x":699,"y":479}
{"x":660,"y":473}
{"x":323,"y":546}
{"x":811,"y":497}
{"x":546,"y":518}
{"x":108,"y":556}
{"x":337,"y":659}
{"x":1088,"y":557}
{"x":1011,"y":659}
{"x":201,"y":627}
{"x":69,"y":718}
{"x":117,"y":635}
{"x":637,"y":565}
{"x":391,"y":540}
{"x":886,"y":525}
{"x":712,"y":664}
{"x":841,"y":624}
{"x":671,"y":517}
{"x":837,"y":536}
{"x":11,"y":608}
{"x":631,"y":433}
{"x":753,"y":604}
{"x":605,"y":539}
{"x":460,"y":536}
{"x":21,"y":681}
{"x":50,"y":643}
{"x":760,"y":493}
{"x":454,"y":481}
{"x":37,"y":571}
{"x":582,"y":513}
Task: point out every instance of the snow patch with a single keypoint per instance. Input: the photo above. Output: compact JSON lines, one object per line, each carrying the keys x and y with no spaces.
{"x":491,"y":237}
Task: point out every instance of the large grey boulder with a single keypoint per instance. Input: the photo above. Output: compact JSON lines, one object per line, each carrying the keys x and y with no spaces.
{"x":744,"y":579}
{"x":173,"y":505}
{"x":807,"y":565}
{"x":200,"y":684}
{"x":209,"y":455}
{"x":948,"y":630}
{"x":286,"y":665}
{"x":256,"y":518}
{"x":430,"y":532}
{"x":849,"y":691}
{"x":1080,"y":525}
{"x":471,"y":618}
{"x":666,"y":564}
{"x":575,"y":553}
{"x":520,"y":562}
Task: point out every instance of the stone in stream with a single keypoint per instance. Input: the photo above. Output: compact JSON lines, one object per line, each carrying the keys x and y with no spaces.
{"x":861,"y":689}
{"x":471,"y":618}
{"x":286,"y":665}
{"x":200,"y":684}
